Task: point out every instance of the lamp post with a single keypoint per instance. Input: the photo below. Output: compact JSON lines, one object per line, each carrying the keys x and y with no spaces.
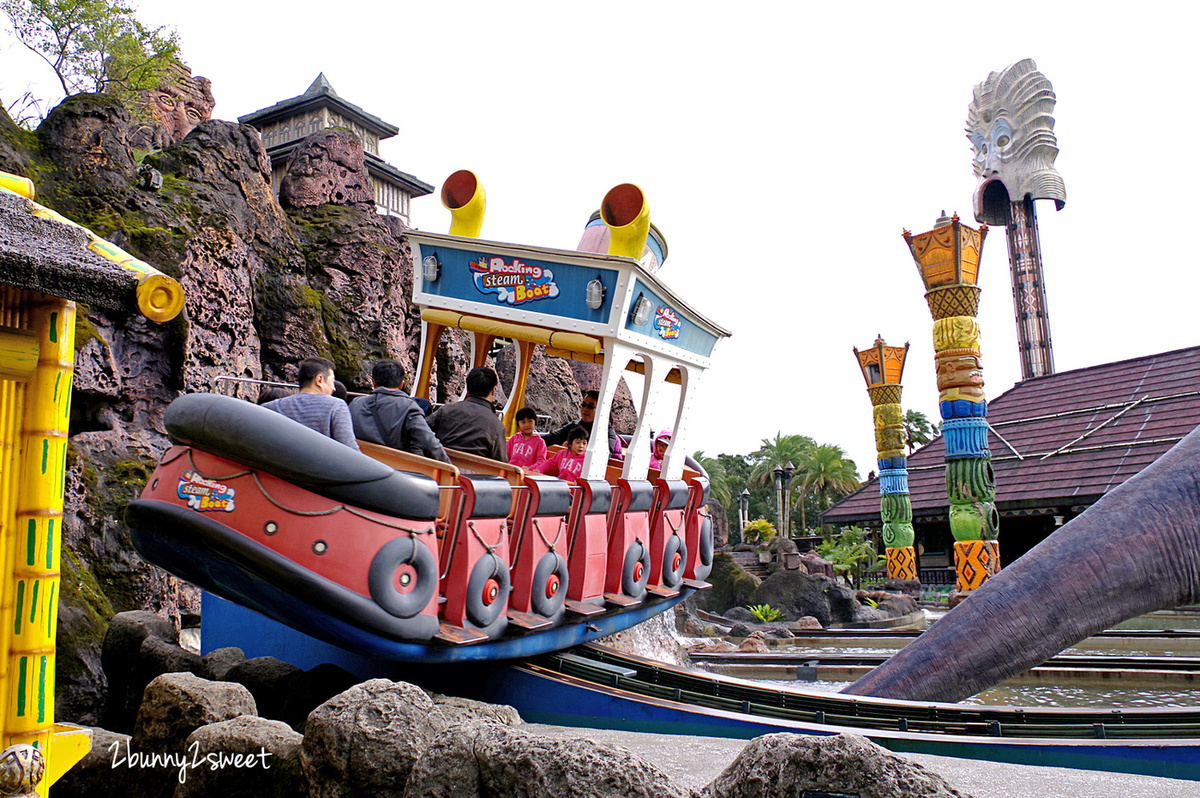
{"x":788,"y":470}
{"x":882,"y":367}
{"x":743,"y":510}
{"x":947,"y":259}
{"x":779,"y":495}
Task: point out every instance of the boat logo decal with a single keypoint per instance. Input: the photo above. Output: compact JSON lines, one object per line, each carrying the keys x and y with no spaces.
{"x":515,"y":281}
{"x":205,"y":494}
{"x":666,"y":322}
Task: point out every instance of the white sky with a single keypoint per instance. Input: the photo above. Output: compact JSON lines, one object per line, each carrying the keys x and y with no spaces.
{"x":782,"y":147}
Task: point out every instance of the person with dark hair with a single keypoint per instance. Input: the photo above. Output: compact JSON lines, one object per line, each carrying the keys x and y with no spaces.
{"x":471,"y":425}
{"x":315,"y":406}
{"x":390,"y":417}
{"x":340,"y":391}
{"x":587,"y":417}
{"x":526,"y":449}
{"x":270,"y":394}
{"x":567,"y":463}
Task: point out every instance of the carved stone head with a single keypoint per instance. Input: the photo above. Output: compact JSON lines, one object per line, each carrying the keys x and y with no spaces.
{"x":1011,"y":128}
{"x":174,"y":108}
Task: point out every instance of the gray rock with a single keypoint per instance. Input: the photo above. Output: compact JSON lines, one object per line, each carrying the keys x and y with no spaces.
{"x":365,"y":740}
{"x":215,"y":664}
{"x":310,"y":689}
{"x":740,"y":614}
{"x":176,"y":704}
{"x":788,"y":764}
{"x":245,"y":757}
{"x":482,"y":758}
{"x":458,"y":710}
{"x":268,"y":679}
{"x":137,"y":647}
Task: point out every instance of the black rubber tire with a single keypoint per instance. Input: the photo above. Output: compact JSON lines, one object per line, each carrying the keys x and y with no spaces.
{"x":673,"y":577}
{"x":487,"y":567}
{"x":635,"y":588}
{"x":550,"y":565}
{"x":380,"y":577}
{"x":706,"y":541}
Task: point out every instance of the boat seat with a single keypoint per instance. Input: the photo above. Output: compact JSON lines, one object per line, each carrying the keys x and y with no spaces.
{"x":268,"y":441}
{"x":641,"y":496}
{"x":675,"y":491}
{"x":493,"y":496}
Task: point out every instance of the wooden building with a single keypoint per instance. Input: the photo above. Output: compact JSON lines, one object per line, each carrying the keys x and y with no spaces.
{"x":288,"y":122}
{"x":1058,"y":444}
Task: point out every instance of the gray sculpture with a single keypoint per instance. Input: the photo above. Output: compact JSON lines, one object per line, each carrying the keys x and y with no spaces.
{"x":1010,"y":125}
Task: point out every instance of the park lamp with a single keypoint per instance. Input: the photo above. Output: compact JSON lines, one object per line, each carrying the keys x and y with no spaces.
{"x":947,"y":259}
{"x":788,"y":470}
{"x":778,"y":478}
{"x":882,"y":364}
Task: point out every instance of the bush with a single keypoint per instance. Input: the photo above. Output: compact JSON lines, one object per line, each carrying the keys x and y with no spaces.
{"x":760,"y":531}
{"x":765,"y":613}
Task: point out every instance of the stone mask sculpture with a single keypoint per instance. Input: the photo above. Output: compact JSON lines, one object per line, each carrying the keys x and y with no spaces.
{"x":1011,"y":127}
{"x":174,"y":108}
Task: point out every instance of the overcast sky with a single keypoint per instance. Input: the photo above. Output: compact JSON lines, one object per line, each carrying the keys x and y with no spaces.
{"x":782,"y":147}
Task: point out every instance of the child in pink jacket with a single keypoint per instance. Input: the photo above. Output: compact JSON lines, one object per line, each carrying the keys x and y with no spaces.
{"x":526,"y":448}
{"x":568,"y":463}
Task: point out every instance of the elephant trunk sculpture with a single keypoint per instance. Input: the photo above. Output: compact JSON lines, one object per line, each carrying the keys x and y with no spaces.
{"x":1134,"y":551}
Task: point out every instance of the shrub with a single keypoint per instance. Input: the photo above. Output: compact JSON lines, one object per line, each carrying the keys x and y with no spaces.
{"x":765,"y":613}
{"x":760,"y":531}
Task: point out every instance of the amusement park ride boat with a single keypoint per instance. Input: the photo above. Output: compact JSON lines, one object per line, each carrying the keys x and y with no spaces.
{"x":393,"y":555}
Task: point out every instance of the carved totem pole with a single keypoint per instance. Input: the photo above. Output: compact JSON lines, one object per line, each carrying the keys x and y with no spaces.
{"x":1010,"y":126}
{"x":882,"y":367}
{"x":947,"y":258}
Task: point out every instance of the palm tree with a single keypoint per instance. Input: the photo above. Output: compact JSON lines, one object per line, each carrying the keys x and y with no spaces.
{"x":776,"y":453}
{"x":918,"y":430}
{"x":719,"y":490}
{"x":827,"y":474}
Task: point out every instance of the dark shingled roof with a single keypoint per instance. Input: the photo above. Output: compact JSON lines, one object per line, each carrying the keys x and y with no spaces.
{"x":44,"y":255}
{"x":318,"y":94}
{"x":1063,"y":440}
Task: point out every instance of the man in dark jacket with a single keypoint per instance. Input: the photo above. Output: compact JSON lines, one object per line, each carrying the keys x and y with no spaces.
{"x":587,"y":417}
{"x":471,"y":425}
{"x":391,"y":417}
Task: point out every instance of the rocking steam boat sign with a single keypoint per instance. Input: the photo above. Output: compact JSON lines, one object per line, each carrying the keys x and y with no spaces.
{"x":393,"y":555}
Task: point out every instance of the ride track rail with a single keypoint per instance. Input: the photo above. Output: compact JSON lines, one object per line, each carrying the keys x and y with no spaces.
{"x":1062,"y":661}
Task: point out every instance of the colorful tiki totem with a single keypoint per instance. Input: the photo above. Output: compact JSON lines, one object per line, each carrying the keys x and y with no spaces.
{"x":1011,"y":129}
{"x":947,"y":258}
{"x":882,"y":367}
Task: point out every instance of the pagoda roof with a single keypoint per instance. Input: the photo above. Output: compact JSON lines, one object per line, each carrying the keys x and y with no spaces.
{"x":1062,"y":440}
{"x":320,"y":93}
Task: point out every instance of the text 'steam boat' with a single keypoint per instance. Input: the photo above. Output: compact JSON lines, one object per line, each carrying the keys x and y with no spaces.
{"x":398,"y":556}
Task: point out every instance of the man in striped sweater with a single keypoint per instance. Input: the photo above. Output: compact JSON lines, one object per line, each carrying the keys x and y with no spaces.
{"x":315,"y":405}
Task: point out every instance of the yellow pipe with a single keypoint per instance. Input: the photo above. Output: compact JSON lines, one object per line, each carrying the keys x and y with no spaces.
{"x":17,"y":184}
{"x":627,"y":215}
{"x":463,"y":195}
{"x":525,"y":357}
{"x":18,"y":354}
{"x":433,"y":337}
{"x":36,"y":537}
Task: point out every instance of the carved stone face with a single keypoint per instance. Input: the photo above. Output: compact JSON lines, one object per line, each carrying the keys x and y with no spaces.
{"x":176,"y":107}
{"x":1011,"y":128}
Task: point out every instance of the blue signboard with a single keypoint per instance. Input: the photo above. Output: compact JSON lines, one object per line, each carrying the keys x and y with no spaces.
{"x":502,"y":280}
{"x":669,"y":323}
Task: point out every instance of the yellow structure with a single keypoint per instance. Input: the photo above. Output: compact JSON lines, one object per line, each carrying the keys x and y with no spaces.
{"x":37,"y":350}
{"x":882,"y":367}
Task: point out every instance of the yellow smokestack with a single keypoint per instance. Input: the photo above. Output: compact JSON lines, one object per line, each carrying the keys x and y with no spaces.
{"x":627,"y":215}
{"x":463,"y":196}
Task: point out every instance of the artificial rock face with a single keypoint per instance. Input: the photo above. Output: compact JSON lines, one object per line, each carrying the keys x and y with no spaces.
{"x":1011,"y":127}
{"x":175,"y":107}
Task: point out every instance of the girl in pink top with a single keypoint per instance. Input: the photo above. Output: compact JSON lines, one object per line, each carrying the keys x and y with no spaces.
{"x":526,"y":448}
{"x":660,"y":448}
{"x":568,"y":463}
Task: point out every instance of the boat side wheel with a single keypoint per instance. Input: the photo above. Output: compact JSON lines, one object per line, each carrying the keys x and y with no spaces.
{"x":706,"y":541}
{"x":487,"y":590}
{"x":549,"y":584}
{"x":674,"y":561}
{"x":403,"y":577}
{"x":636,"y":571}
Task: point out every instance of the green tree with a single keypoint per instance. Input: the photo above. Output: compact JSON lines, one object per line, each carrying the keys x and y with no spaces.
{"x":94,"y":45}
{"x":718,"y":484}
{"x":918,"y":430}
{"x":850,"y":552}
{"x":825,"y":475}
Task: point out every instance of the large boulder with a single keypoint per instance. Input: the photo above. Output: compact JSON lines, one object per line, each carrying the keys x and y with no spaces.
{"x":732,"y":586}
{"x":310,"y":689}
{"x":366,"y":740}
{"x":327,"y":168}
{"x":244,"y":757}
{"x":138,"y":647}
{"x":269,"y":680}
{"x":797,"y":594}
{"x":216,"y":664}
{"x":786,"y":765}
{"x":482,"y":758}
{"x":176,"y":704}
